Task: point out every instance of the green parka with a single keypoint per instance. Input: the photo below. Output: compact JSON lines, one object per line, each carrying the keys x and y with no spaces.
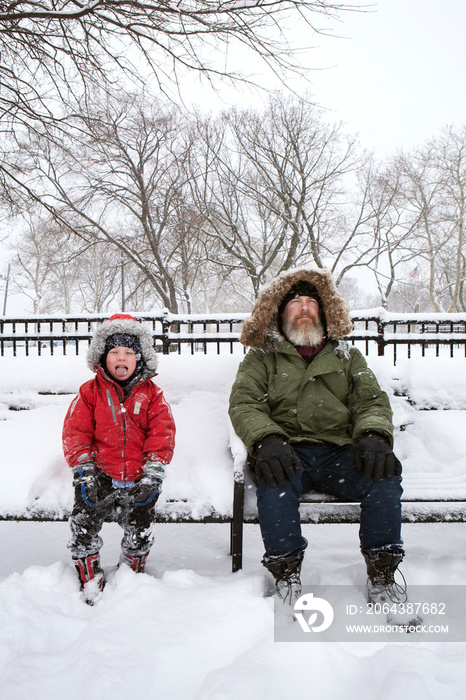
{"x":332,"y":399}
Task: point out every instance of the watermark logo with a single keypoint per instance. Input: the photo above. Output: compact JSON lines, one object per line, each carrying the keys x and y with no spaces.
{"x":342,"y":613}
{"x":308,"y":603}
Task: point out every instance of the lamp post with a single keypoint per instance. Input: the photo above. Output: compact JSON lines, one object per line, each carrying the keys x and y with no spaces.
{"x":5,"y":294}
{"x":122,"y":281}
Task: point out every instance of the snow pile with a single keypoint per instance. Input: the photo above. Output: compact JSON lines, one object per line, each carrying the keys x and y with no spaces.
{"x":189,"y":630}
{"x":431,"y":444}
{"x":167,"y":617}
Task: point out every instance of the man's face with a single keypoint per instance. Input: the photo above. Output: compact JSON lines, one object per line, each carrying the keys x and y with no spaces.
{"x":121,"y":363}
{"x":301,"y":322}
{"x":301,"y":312}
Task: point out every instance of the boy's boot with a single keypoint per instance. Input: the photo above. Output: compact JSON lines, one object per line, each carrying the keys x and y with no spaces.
{"x":388,"y":596}
{"x":286,"y":573}
{"x":91,"y":577}
{"x":136,"y":563}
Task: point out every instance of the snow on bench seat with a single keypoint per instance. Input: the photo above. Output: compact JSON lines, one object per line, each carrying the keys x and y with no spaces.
{"x":208,"y":465}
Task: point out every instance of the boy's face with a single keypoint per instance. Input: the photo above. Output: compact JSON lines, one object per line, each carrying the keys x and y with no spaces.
{"x":121,"y":363}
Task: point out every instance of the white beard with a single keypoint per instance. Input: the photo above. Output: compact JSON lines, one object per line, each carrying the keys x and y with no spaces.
{"x":309,"y":336}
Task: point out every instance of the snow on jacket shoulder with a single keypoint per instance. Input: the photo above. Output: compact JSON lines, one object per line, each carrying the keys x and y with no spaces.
{"x":119,"y":435}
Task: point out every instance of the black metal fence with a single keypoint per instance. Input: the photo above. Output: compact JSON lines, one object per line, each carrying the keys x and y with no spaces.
{"x":374,"y":331}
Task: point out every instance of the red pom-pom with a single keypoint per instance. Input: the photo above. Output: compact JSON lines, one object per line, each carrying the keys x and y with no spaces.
{"x":121,"y":317}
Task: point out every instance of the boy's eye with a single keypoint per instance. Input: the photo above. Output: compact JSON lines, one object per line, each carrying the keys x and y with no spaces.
{"x":116,"y":351}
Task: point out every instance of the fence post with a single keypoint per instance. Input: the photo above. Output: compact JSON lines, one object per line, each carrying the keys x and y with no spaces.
{"x":165,"y":332}
{"x":236,"y":525}
{"x":380,"y":338}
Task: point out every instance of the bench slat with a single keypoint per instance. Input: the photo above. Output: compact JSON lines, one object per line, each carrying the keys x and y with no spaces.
{"x":316,"y":508}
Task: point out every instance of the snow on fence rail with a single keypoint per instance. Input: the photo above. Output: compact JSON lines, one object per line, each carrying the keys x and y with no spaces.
{"x":374,"y":331}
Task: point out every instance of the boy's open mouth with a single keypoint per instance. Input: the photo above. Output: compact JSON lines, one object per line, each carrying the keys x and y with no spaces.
{"x":121,"y":370}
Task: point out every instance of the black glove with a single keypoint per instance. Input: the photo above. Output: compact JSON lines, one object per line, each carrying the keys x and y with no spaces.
{"x":85,"y":483}
{"x":148,"y":488}
{"x":374,"y":457}
{"x":276,"y":461}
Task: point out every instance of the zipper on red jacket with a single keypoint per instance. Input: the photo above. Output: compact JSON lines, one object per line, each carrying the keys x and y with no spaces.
{"x":121,"y":400}
{"x":123,"y":417}
{"x":120,"y":397}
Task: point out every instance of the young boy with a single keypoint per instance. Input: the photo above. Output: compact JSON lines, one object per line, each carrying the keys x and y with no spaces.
{"x":118,"y":437}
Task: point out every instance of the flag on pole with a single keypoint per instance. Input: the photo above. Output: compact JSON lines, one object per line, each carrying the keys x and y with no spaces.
{"x":414,"y":272}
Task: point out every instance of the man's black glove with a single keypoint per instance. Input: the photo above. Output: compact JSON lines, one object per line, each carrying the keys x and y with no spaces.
{"x":85,"y":483}
{"x":148,"y":488}
{"x":276,"y":461}
{"x":374,"y":457}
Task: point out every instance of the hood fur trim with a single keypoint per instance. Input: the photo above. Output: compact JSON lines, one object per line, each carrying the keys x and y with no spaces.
{"x":122,"y":323}
{"x":260,"y":330}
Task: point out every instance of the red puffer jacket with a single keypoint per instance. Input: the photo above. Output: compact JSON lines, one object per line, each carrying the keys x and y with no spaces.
{"x":118,"y":435}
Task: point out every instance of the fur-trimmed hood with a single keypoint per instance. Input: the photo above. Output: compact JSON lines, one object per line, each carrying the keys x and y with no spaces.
{"x":123,"y":323}
{"x":261,"y":329}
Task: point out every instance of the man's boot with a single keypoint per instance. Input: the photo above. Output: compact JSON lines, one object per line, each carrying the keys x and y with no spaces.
{"x":387,"y":596}
{"x":136,"y":563}
{"x":286,"y":573}
{"x":381,"y":584}
{"x":91,"y":577}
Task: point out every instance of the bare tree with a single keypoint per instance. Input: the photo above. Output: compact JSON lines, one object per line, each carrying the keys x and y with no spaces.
{"x":33,"y":264}
{"x":433,"y":179}
{"x":58,"y":275}
{"x":270,"y":185}
{"x":123,"y":184}
{"x":54,"y":43}
{"x":450,"y":151}
{"x":54,"y":53}
{"x":390,"y":232}
{"x":96,"y":278}
{"x":238,"y":237}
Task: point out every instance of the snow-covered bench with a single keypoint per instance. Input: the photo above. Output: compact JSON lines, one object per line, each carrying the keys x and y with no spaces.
{"x":36,"y":482}
{"x":429,"y":497}
{"x":321,"y":509}
{"x":172,"y":512}
{"x":207,"y":481}
{"x":432,"y":505}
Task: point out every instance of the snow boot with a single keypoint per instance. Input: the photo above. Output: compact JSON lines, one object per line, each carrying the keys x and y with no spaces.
{"x":91,"y":577}
{"x":137,"y":563}
{"x":286,"y":573}
{"x":386,"y":595}
{"x":381,"y":585}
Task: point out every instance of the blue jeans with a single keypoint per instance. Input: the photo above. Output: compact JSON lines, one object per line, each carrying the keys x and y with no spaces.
{"x":329,"y":469}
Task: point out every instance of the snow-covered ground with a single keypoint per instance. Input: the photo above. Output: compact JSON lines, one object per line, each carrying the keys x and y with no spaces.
{"x":189,"y":629}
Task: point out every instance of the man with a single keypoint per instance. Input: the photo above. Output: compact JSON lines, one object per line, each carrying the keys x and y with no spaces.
{"x":313,"y":416}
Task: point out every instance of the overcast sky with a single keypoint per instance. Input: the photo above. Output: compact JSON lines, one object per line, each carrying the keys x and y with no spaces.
{"x":399,"y":76}
{"x":394,"y":74}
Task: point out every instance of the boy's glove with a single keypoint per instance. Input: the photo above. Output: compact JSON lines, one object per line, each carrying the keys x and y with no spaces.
{"x":276,"y":461}
{"x":374,"y":457}
{"x":85,"y":483}
{"x":149,"y":485}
